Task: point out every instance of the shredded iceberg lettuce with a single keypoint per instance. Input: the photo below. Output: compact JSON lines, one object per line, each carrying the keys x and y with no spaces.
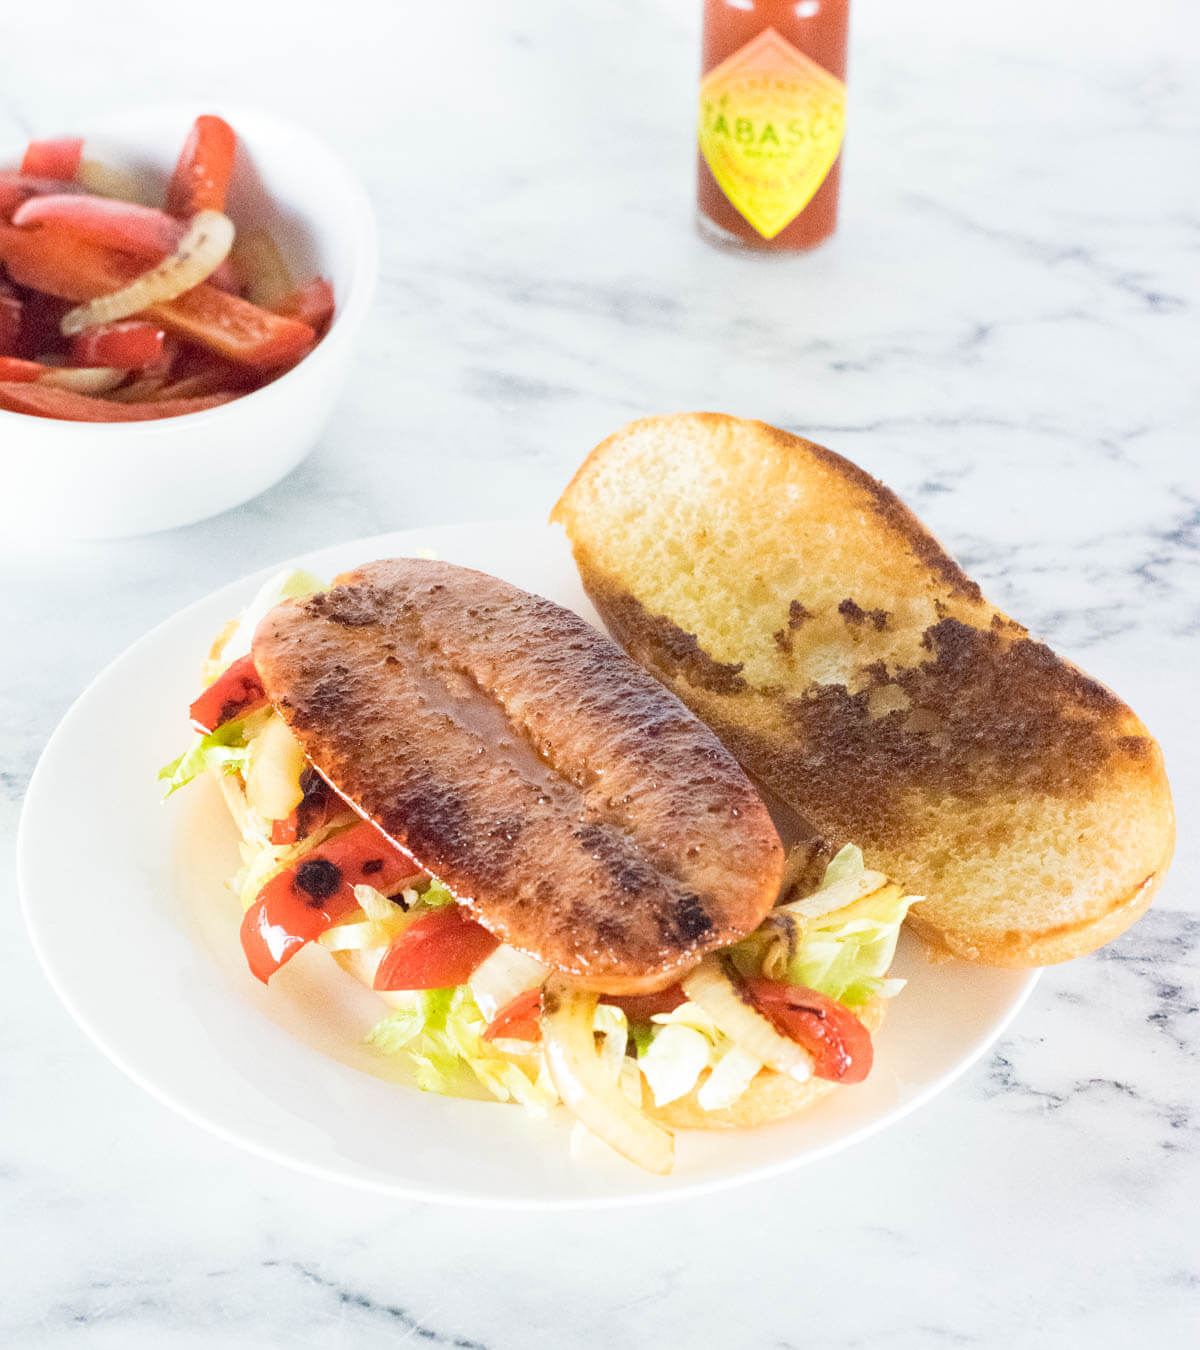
{"x":847,"y":953}
{"x":440,"y":1031}
{"x":673,"y":1061}
{"x":289,"y":584}
{"x":844,"y":953}
{"x":679,"y":1046}
{"x":226,"y":749}
{"x":847,"y":862}
{"x":435,"y":895}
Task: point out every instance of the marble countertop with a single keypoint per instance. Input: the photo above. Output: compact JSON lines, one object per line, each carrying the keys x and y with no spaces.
{"x":1004,"y":330}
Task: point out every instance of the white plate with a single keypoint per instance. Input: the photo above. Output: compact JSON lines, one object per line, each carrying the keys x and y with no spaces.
{"x":147,"y":959}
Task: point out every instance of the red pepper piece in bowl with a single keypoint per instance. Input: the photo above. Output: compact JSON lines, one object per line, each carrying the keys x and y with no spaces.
{"x":205,"y":167}
{"x":57,"y":158}
{"x":128,"y":344}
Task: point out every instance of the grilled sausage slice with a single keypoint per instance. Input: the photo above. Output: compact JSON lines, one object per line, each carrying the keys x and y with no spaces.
{"x":577,"y":808}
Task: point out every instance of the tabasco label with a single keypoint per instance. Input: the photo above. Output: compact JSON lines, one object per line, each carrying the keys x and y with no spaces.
{"x":771,"y":123}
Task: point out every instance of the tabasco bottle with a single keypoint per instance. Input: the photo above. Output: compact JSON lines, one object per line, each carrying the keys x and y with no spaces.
{"x":772,"y":114}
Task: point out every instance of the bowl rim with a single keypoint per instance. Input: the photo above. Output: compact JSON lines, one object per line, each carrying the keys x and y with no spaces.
{"x":350,"y":312}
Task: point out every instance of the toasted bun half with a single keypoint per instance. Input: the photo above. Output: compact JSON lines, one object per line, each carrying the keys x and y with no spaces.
{"x":846,"y":659}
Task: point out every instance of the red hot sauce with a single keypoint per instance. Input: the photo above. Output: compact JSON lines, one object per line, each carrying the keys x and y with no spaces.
{"x":772,"y":114}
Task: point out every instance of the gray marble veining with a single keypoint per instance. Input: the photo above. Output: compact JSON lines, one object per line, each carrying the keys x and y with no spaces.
{"x":1004,"y":329}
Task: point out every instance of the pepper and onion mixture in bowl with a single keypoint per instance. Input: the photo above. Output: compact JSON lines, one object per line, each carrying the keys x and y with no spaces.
{"x":180,"y":304}
{"x":114,"y":308}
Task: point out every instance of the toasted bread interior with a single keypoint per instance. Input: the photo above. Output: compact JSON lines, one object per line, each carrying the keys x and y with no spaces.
{"x":806,"y":614}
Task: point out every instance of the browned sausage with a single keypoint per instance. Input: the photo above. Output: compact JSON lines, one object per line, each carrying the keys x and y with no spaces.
{"x":576,"y":807}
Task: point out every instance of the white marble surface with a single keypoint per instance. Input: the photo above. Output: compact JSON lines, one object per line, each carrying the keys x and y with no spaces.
{"x":1004,"y":329}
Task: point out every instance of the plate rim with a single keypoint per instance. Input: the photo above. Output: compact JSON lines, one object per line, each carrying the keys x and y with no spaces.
{"x":462,"y":1198}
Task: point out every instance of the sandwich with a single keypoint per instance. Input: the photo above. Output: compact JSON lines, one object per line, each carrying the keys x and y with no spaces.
{"x":560,"y":882}
{"x":853,"y":668}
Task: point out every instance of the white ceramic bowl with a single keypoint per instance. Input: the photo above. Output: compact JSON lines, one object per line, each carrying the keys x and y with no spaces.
{"x":104,"y":480}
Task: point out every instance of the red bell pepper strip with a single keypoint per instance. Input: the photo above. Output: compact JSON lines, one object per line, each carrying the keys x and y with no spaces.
{"x":439,"y":950}
{"x":143,"y":231}
{"x":234,"y":328}
{"x":234,"y":693}
{"x":838,"y":1042}
{"x":53,"y":159}
{"x":48,"y":258}
{"x":316,"y":892}
{"x":284,"y":831}
{"x":39,"y":400}
{"x":519,"y":1020}
{"x":205,"y":166}
{"x":129,"y":344}
{"x":642,"y":1007}
{"x":12,"y":314}
{"x":23,"y":372}
{"x":311,"y":304}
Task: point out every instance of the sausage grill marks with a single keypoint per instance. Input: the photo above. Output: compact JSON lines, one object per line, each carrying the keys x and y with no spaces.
{"x":573,"y":804}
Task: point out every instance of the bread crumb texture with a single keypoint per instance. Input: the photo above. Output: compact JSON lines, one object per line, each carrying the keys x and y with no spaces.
{"x":853,"y":667}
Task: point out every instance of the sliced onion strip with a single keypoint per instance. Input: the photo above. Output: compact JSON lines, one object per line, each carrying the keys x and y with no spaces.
{"x":276,"y":765}
{"x":260,"y":268}
{"x":84,"y":379}
{"x":711,"y":986}
{"x":586,"y":1089}
{"x":376,"y":905}
{"x":838,"y":896}
{"x":203,"y":248}
{"x":504,"y":975}
{"x":141,"y":390}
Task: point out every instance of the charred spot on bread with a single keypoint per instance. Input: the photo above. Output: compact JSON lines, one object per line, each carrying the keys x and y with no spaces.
{"x":855,"y":614}
{"x":679,"y":652}
{"x":785,"y":638}
{"x":986,"y":714}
